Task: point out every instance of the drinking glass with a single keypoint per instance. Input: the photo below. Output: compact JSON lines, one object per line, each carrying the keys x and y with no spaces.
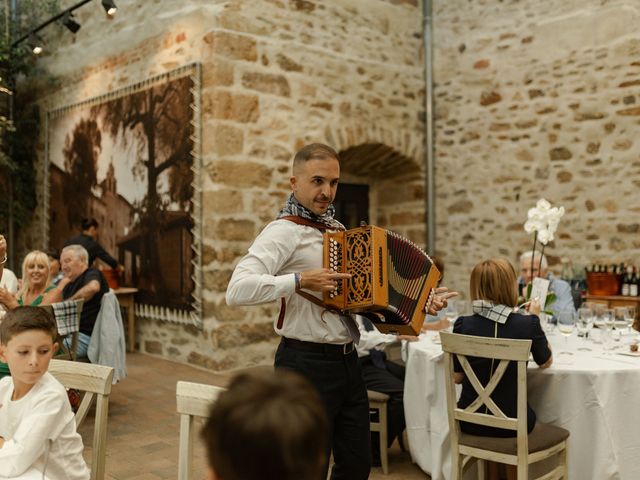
{"x":629,"y":318}
{"x":607,"y":328}
{"x":451,"y":313}
{"x":566,"y":324}
{"x":620,"y":316}
{"x":584,"y":325}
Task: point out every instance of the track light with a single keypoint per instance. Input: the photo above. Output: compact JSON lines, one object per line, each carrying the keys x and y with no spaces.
{"x":35,"y":43}
{"x":109,"y":7}
{"x":69,"y":22}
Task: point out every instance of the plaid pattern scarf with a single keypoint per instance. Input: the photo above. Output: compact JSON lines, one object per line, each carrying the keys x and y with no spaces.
{"x":295,"y":208}
{"x":498,"y":313}
{"x":67,"y":317}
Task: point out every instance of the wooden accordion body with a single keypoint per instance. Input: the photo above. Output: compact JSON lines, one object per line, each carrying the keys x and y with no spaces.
{"x":392,"y":278}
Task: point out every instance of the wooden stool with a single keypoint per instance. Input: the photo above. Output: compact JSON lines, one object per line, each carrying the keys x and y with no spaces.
{"x":378,"y":401}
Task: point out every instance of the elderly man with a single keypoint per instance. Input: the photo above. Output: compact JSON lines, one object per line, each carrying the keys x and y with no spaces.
{"x":83,"y":283}
{"x":564,"y":298}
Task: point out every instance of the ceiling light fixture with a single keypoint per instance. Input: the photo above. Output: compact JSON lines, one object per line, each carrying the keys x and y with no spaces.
{"x":35,"y":43}
{"x":69,"y":22}
{"x":109,"y":7}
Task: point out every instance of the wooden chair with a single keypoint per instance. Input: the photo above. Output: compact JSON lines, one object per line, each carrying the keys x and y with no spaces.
{"x":524,"y":449}
{"x":193,"y":400}
{"x":378,"y":423}
{"x":94,"y":381}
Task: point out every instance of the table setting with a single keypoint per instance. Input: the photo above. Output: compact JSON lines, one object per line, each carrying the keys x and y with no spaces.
{"x":591,"y":389}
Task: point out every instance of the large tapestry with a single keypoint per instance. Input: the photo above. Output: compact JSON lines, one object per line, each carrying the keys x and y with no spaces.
{"x":130,"y":159}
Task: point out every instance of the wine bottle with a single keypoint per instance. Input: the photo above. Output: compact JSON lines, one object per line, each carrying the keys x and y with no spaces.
{"x":633,"y":284}
{"x":625,"y":282}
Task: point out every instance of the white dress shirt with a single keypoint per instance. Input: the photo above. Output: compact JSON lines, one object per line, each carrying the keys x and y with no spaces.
{"x":266,"y":274}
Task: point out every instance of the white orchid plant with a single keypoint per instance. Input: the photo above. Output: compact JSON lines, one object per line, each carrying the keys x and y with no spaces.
{"x":542,"y":221}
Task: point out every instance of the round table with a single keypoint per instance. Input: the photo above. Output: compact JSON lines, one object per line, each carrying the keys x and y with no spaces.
{"x":593,"y":394}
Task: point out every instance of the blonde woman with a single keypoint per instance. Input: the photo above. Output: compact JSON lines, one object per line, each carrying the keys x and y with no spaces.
{"x":36,"y":288}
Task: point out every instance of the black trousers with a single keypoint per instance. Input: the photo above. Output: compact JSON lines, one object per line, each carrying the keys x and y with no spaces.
{"x":338,"y":378}
{"x":389,"y":380}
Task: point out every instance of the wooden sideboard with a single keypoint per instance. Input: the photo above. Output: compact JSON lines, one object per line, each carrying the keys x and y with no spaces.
{"x":612,"y":301}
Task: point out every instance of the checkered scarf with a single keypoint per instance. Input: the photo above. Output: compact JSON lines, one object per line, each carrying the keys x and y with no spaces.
{"x":67,"y":317}
{"x":295,"y":208}
{"x":496,"y":312}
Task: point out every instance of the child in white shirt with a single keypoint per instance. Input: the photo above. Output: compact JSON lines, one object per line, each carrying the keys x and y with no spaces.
{"x":37,"y":426}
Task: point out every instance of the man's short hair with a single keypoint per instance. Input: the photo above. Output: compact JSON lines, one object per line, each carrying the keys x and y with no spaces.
{"x":313,"y":151}
{"x":526,"y":256}
{"x":23,"y":319}
{"x":79,"y":251}
{"x":268,"y":426}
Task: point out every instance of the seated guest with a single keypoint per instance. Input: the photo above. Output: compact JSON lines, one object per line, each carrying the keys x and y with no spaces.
{"x":384,"y":376}
{"x":494,"y":295}
{"x":267,"y":426}
{"x":564,"y":298}
{"x":54,"y":266}
{"x":38,"y":437}
{"x":89,"y":240}
{"x":8,"y":280}
{"x":84,"y":283}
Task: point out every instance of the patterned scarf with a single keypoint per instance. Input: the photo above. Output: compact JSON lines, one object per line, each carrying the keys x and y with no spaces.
{"x":295,"y":208}
{"x":496,"y":312}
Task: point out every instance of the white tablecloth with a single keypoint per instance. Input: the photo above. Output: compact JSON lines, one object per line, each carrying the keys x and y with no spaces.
{"x":595,"y":395}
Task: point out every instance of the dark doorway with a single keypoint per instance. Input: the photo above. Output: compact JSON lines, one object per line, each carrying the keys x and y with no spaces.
{"x":352,"y":204}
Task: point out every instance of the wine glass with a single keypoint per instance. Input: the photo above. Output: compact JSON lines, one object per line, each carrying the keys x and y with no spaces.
{"x":566,"y":324}
{"x":584,"y":325}
{"x":620,"y":316}
{"x":607,"y":327}
{"x":630,"y":317}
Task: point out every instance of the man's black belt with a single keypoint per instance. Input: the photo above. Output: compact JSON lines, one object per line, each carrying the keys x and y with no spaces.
{"x":327,"y":348}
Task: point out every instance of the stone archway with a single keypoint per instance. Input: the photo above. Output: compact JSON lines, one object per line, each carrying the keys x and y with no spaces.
{"x":396,"y":186}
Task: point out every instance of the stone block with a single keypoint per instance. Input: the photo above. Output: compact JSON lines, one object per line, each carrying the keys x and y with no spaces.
{"x":628,"y":227}
{"x":489,"y":98}
{"x":231,"y":229}
{"x":217,"y":280}
{"x":593,"y":147}
{"x":153,"y":346}
{"x":219,"y":72}
{"x":238,"y":335}
{"x":560,"y":153}
{"x":564,"y":176}
{"x":285,"y":63}
{"x":267,"y":83}
{"x":232,"y":45}
{"x":229,"y":106}
{"x":222,"y":140}
{"x":633,"y":111}
{"x":461,"y":206}
{"x":406,"y":218}
{"x":223,"y":201}
{"x":240,"y":174}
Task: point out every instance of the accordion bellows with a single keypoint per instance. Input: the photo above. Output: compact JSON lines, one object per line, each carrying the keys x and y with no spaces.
{"x":392,"y":278}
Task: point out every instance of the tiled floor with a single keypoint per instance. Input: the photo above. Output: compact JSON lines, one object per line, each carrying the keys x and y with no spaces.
{"x":143,"y":428}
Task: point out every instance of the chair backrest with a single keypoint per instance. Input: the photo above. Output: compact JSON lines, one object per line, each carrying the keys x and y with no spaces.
{"x":193,"y":400}
{"x":68,"y":353}
{"x":502,"y":349}
{"x":95,"y":381}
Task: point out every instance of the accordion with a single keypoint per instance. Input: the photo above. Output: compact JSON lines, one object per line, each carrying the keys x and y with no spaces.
{"x":392,"y":281}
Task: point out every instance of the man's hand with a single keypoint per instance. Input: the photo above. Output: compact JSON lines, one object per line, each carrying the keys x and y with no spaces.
{"x":321,"y":279}
{"x":440,"y":300}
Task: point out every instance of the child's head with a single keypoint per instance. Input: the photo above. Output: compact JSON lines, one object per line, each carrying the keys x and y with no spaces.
{"x":27,"y":343}
{"x":494,"y":280}
{"x":268,"y":426}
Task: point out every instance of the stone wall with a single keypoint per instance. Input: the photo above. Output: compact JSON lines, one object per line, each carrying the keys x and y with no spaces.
{"x":536,"y":102}
{"x":277,"y":74}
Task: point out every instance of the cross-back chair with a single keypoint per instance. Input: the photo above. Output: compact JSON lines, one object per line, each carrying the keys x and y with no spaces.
{"x":95,"y":382}
{"x":193,"y":400}
{"x":521,"y":450}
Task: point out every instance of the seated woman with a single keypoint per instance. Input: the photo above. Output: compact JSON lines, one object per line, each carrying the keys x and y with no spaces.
{"x":494,"y":295}
{"x":36,"y":289}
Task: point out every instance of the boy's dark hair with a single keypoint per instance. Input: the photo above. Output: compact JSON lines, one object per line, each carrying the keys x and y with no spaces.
{"x":53,"y":253}
{"x":268,"y":426}
{"x":87,"y":223}
{"x":23,"y":319}
{"x":314,"y":151}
